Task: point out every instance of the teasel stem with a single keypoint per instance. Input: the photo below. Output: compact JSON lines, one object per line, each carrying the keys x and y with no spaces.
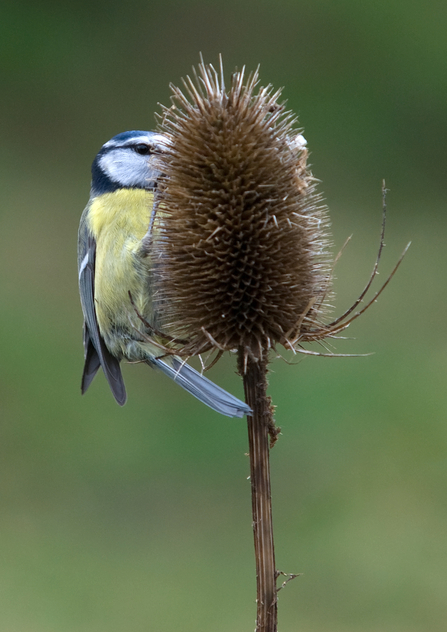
{"x":261,"y":435}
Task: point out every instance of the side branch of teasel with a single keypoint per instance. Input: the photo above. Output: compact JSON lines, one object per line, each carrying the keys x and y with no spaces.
{"x":261,"y":428}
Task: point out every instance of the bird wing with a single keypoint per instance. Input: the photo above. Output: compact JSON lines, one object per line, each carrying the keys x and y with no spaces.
{"x":96,"y":353}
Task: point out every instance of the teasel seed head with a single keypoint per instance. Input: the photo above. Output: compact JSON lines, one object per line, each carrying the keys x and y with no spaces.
{"x":240,"y":244}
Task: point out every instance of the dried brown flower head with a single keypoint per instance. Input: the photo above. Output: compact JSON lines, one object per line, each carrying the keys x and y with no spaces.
{"x":241,"y":258}
{"x":239,"y":242}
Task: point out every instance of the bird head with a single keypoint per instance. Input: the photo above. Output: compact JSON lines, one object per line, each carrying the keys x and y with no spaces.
{"x":126,"y":161}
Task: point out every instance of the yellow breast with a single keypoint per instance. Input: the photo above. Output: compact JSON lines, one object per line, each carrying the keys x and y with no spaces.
{"x":119,"y":221}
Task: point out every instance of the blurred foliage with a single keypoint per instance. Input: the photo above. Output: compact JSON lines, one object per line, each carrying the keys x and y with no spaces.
{"x":139,"y":518}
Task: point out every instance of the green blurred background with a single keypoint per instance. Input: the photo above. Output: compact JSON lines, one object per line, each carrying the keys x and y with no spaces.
{"x":138,"y":518}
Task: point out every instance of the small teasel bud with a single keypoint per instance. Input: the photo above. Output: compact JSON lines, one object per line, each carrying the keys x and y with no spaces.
{"x":240,"y":244}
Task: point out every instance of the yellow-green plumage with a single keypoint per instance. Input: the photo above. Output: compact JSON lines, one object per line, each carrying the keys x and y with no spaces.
{"x":119,"y":221}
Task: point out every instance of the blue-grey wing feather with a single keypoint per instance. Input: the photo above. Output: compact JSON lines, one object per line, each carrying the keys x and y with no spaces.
{"x":96,"y":353}
{"x":92,"y":362}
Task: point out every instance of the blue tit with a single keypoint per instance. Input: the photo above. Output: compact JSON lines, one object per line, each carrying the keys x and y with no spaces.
{"x":115,"y":273}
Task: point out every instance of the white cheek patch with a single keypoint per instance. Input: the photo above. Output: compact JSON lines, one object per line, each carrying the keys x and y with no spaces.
{"x":127,"y":168}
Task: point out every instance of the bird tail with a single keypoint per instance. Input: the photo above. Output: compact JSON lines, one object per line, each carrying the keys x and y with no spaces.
{"x":202,"y":388}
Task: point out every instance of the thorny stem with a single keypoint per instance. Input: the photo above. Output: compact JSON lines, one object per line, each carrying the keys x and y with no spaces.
{"x":262,"y":434}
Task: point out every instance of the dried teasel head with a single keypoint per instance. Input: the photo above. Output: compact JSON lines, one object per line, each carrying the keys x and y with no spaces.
{"x":240,"y":244}
{"x":239,"y":238}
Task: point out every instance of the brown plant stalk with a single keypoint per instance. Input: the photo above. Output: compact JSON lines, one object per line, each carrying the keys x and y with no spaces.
{"x":261,"y":433}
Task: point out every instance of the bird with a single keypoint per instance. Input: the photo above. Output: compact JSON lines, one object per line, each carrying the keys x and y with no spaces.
{"x":115,"y":276}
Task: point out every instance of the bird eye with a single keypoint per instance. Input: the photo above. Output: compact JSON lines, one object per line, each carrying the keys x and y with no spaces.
{"x":142,"y":149}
